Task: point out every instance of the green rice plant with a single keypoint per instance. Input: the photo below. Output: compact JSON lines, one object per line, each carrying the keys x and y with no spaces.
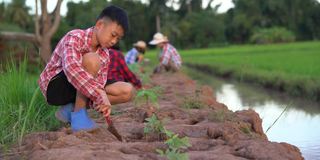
{"x":175,"y":147}
{"x":292,"y":67}
{"x":23,"y":108}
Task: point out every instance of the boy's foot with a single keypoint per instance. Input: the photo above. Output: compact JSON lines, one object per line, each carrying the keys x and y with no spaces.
{"x":63,"y":114}
{"x":80,"y":121}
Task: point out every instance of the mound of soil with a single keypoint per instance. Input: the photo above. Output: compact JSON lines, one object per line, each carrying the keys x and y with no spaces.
{"x":213,"y":131}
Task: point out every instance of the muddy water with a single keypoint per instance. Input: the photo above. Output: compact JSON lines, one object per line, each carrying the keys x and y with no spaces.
{"x":299,"y":125}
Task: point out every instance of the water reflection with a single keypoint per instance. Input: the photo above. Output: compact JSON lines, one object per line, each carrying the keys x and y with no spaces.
{"x":299,"y":125}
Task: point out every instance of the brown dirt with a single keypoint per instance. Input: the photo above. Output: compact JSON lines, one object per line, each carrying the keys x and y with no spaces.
{"x":214,"y":132}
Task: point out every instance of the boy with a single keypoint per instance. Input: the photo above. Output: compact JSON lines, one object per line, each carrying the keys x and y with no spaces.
{"x":135,"y":54}
{"x":76,"y":74}
{"x":119,"y":72}
{"x":170,"y":59}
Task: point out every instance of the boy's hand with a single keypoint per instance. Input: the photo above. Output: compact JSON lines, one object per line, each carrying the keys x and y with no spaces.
{"x":105,"y":107}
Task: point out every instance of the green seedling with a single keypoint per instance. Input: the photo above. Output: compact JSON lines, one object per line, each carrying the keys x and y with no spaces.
{"x":148,"y":96}
{"x":175,"y":147}
{"x":154,"y":125}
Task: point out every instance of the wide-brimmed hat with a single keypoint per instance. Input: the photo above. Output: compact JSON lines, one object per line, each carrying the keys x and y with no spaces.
{"x":158,"y":38}
{"x":140,"y":44}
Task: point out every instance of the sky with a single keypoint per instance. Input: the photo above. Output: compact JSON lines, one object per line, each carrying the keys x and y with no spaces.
{"x":225,"y":5}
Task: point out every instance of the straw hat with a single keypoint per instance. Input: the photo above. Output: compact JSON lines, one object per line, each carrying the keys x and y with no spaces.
{"x":140,"y":44}
{"x":158,"y":38}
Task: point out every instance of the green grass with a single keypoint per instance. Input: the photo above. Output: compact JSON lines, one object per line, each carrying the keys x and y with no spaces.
{"x":22,"y":107}
{"x":293,"y":67}
{"x":294,"y":59}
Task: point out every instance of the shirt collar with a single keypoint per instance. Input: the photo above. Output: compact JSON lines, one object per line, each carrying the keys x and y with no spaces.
{"x":88,"y":36}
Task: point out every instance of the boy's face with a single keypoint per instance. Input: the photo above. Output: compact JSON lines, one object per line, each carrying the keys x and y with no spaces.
{"x":108,"y":33}
{"x":160,"y":45}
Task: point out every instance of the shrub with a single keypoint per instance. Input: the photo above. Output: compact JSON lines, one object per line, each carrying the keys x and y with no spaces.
{"x":272,"y":35}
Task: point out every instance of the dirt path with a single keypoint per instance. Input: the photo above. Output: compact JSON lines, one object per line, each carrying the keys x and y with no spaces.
{"x":214,"y":132}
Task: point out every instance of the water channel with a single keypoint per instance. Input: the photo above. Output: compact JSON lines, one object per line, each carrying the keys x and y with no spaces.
{"x":299,"y":124}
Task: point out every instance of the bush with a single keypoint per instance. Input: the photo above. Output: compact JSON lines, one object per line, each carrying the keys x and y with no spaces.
{"x":272,"y":35}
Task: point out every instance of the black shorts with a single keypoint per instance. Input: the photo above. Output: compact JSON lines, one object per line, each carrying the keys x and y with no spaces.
{"x":111,"y":81}
{"x":60,"y":91}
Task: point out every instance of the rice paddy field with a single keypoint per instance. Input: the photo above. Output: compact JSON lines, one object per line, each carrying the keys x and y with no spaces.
{"x":293,"y":67}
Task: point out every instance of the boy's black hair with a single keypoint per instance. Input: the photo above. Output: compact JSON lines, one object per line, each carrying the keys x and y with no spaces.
{"x":117,"y":15}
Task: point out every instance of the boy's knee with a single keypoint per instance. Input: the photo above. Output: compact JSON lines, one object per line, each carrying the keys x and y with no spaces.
{"x":91,"y":63}
{"x":129,"y":92}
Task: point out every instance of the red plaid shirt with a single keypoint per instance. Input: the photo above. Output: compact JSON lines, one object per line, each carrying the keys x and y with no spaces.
{"x":169,"y":53}
{"x":119,"y":71}
{"x":67,"y":57}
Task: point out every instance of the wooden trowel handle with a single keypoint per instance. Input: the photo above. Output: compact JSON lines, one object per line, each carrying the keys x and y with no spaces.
{"x":108,"y":119}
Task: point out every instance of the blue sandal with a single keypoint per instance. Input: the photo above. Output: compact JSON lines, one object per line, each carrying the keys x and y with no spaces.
{"x":81,"y":121}
{"x":64,"y":113}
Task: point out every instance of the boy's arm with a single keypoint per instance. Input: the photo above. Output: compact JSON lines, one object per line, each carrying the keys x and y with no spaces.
{"x":128,"y":75}
{"x":77,"y":76}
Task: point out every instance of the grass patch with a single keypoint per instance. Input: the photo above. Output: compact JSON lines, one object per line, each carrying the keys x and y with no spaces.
{"x":192,"y":103}
{"x":23,"y":109}
{"x":221,"y":116}
{"x":246,"y":130}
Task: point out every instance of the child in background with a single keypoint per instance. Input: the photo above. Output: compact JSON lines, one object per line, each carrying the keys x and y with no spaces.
{"x":135,"y":55}
{"x":119,"y":73}
{"x":169,"y":57}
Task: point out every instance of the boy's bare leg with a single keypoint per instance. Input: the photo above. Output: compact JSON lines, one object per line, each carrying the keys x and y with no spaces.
{"x":91,"y":63}
{"x":120,"y":92}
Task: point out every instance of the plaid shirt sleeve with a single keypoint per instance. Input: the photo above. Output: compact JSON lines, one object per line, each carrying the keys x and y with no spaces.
{"x":128,"y":75}
{"x":77,"y":76}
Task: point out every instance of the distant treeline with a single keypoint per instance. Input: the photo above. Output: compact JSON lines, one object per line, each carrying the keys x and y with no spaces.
{"x":192,"y":25}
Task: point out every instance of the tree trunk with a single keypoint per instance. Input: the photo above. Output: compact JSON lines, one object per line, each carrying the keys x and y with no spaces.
{"x":45,"y":49}
{"x":158,"y":23}
{"x":45,"y":27}
{"x":16,"y":36}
